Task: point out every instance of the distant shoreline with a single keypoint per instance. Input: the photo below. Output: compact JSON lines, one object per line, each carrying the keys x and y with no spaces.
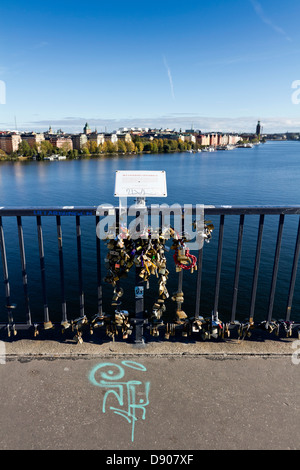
{"x":113,"y":154}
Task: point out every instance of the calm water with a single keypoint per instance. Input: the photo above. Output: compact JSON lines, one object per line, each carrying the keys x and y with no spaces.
{"x":265,"y":175}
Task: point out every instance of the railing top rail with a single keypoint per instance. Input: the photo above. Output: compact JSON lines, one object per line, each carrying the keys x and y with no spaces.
{"x":154,"y":208}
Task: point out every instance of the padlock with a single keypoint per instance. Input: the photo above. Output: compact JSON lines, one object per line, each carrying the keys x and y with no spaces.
{"x":65,"y":325}
{"x":227,"y":330}
{"x":180,"y":315}
{"x":79,"y":322}
{"x":78,"y":337}
{"x":48,"y":325}
{"x":97,"y":321}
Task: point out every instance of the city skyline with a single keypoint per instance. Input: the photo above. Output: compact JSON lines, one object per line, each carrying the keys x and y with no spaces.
{"x":220,"y":66}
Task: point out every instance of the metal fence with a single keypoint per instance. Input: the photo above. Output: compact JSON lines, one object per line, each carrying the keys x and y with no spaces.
{"x":137,"y":323}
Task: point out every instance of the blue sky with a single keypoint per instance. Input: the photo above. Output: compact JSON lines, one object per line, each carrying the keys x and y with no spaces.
{"x":216,"y":65}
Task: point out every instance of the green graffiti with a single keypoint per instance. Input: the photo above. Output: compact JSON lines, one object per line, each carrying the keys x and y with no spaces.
{"x":109,"y":376}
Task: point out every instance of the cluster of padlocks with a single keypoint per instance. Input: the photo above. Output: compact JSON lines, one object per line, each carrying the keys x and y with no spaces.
{"x":208,"y":327}
{"x":147,"y":253}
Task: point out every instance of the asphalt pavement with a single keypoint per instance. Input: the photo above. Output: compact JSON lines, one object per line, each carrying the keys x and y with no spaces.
{"x":187,"y":396}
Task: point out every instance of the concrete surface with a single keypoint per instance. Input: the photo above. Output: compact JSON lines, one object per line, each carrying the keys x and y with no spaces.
{"x":214,"y":395}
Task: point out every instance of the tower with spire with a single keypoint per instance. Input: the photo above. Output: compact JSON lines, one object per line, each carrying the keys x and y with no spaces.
{"x":258,"y":129}
{"x":87,"y":129}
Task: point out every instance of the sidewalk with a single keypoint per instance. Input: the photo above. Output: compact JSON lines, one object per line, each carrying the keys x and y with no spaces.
{"x":214,"y":395}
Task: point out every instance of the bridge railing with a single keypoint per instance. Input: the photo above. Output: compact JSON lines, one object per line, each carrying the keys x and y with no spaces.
{"x":137,"y":324}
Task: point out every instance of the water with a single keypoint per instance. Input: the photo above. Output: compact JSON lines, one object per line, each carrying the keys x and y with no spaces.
{"x":268,"y":174}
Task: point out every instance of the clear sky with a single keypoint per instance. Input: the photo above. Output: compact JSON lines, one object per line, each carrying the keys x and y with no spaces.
{"x":213,"y":64}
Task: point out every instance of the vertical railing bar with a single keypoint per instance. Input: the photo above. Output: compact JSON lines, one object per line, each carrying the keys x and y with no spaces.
{"x":275,"y":267}
{"x":293,"y":276}
{"x":5,"y":272}
{"x":24,"y":271}
{"x":199,"y":280}
{"x":139,"y":299}
{"x":79,"y":261}
{"x":256,"y":266}
{"x":43,"y":272}
{"x":64,"y":319}
{"x":237,"y":267}
{"x":180,"y":274}
{"x":99,"y":279}
{"x":219,"y":263}
{"x":117,"y":220}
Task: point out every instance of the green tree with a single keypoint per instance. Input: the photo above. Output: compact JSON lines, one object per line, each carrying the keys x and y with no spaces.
{"x":121,"y":147}
{"x":130,"y":147}
{"x":160,"y":145}
{"x":111,"y":147}
{"x":85,"y":150}
{"x":167,"y":147}
{"x":154,"y":147}
{"x":148,"y":147}
{"x":173,"y":145}
{"x":2,"y":154}
{"x":139,"y":146}
{"x":24,"y":148}
{"x":46,"y":147}
{"x":182,"y":146}
{"x":92,"y":146}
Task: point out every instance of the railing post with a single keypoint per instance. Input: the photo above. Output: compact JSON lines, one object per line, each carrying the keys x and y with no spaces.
{"x":79,"y":262}
{"x":47,"y":323}
{"x":24,"y":272}
{"x":5,"y":275}
{"x":256,"y":266}
{"x":219,"y":264}
{"x":275,"y":267}
{"x":237,"y":267}
{"x":64,"y":321}
{"x":293,"y":277}
{"x":99,"y":282}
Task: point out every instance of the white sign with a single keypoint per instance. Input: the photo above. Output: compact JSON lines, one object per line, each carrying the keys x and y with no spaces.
{"x":140,"y":184}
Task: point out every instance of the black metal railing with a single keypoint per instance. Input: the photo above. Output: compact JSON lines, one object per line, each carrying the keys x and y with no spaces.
{"x":139,"y":324}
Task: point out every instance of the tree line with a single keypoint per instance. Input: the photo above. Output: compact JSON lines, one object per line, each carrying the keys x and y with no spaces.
{"x":137,"y":145}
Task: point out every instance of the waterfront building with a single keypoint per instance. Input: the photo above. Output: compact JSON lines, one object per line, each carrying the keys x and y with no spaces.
{"x":111,"y":137}
{"x":79,"y":141}
{"x":33,"y":139}
{"x":61,"y":142}
{"x":204,"y":139}
{"x":10,"y":142}
{"x":233,"y":139}
{"x":189,"y":138}
{"x":214,"y":140}
{"x":97,"y":138}
{"x":223,"y":140}
{"x":124,"y":136}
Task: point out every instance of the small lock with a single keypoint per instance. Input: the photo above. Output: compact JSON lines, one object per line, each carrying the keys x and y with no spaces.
{"x":65,"y":325}
{"x":48,"y":325}
{"x":181,"y":315}
{"x":36,"y":331}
